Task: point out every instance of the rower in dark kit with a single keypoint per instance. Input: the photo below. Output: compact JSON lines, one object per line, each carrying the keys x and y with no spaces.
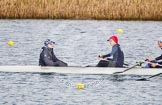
{"x":47,"y":56}
{"x":155,"y":63}
{"x":117,"y":53}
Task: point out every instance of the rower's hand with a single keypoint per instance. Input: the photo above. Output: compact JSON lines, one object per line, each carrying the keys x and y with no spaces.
{"x":149,"y":59}
{"x":100,"y":56}
{"x":105,"y":59}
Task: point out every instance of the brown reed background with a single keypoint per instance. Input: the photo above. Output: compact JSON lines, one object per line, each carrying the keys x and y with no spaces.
{"x":81,"y":9}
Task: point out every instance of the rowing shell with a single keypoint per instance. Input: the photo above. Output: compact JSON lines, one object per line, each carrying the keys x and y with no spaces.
{"x":79,"y":70}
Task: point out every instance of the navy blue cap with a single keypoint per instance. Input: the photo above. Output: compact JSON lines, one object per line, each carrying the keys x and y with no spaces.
{"x":48,"y":41}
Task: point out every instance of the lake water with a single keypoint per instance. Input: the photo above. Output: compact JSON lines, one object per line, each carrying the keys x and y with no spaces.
{"x":78,"y":42}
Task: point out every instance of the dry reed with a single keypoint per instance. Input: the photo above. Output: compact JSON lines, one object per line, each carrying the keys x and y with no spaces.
{"x":81,"y":9}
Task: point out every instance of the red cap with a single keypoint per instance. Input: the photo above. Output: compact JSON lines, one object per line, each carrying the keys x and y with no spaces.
{"x":114,"y":38}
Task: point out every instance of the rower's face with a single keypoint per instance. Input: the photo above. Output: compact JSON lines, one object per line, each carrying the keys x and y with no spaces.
{"x":50,"y":45}
{"x":112,"y":43}
{"x":160,"y":44}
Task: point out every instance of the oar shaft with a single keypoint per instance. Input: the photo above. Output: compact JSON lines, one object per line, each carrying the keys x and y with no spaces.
{"x":129,"y":68}
{"x":125,"y":70}
{"x":155,"y":75}
{"x":146,"y":79}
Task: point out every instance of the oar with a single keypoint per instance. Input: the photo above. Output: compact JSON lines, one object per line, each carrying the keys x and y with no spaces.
{"x":137,"y":64}
{"x":147,"y":79}
{"x":125,"y":69}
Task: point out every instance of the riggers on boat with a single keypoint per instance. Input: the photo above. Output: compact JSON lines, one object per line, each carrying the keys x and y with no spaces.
{"x":81,"y":70}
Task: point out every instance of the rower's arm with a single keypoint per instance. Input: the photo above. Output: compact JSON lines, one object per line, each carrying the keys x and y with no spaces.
{"x":107,"y":55}
{"x":160,"y":63}
{"x":114,"y":50}
{"x":158,"y":58}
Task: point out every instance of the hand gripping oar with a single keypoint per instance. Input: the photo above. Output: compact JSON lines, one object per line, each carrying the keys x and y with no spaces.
{"x":147,"y":79}
{"x":137,"y":64}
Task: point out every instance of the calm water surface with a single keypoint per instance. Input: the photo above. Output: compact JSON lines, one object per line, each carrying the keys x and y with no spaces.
{"x":78,"y":44}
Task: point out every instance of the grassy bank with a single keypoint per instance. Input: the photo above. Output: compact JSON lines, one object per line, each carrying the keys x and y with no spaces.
{"x":82,"y":9}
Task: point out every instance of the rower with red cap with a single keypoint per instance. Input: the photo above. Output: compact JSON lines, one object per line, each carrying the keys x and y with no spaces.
{"x":117,"y":53}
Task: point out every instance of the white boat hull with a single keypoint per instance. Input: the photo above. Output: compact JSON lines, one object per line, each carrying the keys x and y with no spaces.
{"x":79,"y":70}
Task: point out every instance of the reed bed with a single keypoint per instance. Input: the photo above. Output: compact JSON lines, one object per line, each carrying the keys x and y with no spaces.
{"x":82,"y":9}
